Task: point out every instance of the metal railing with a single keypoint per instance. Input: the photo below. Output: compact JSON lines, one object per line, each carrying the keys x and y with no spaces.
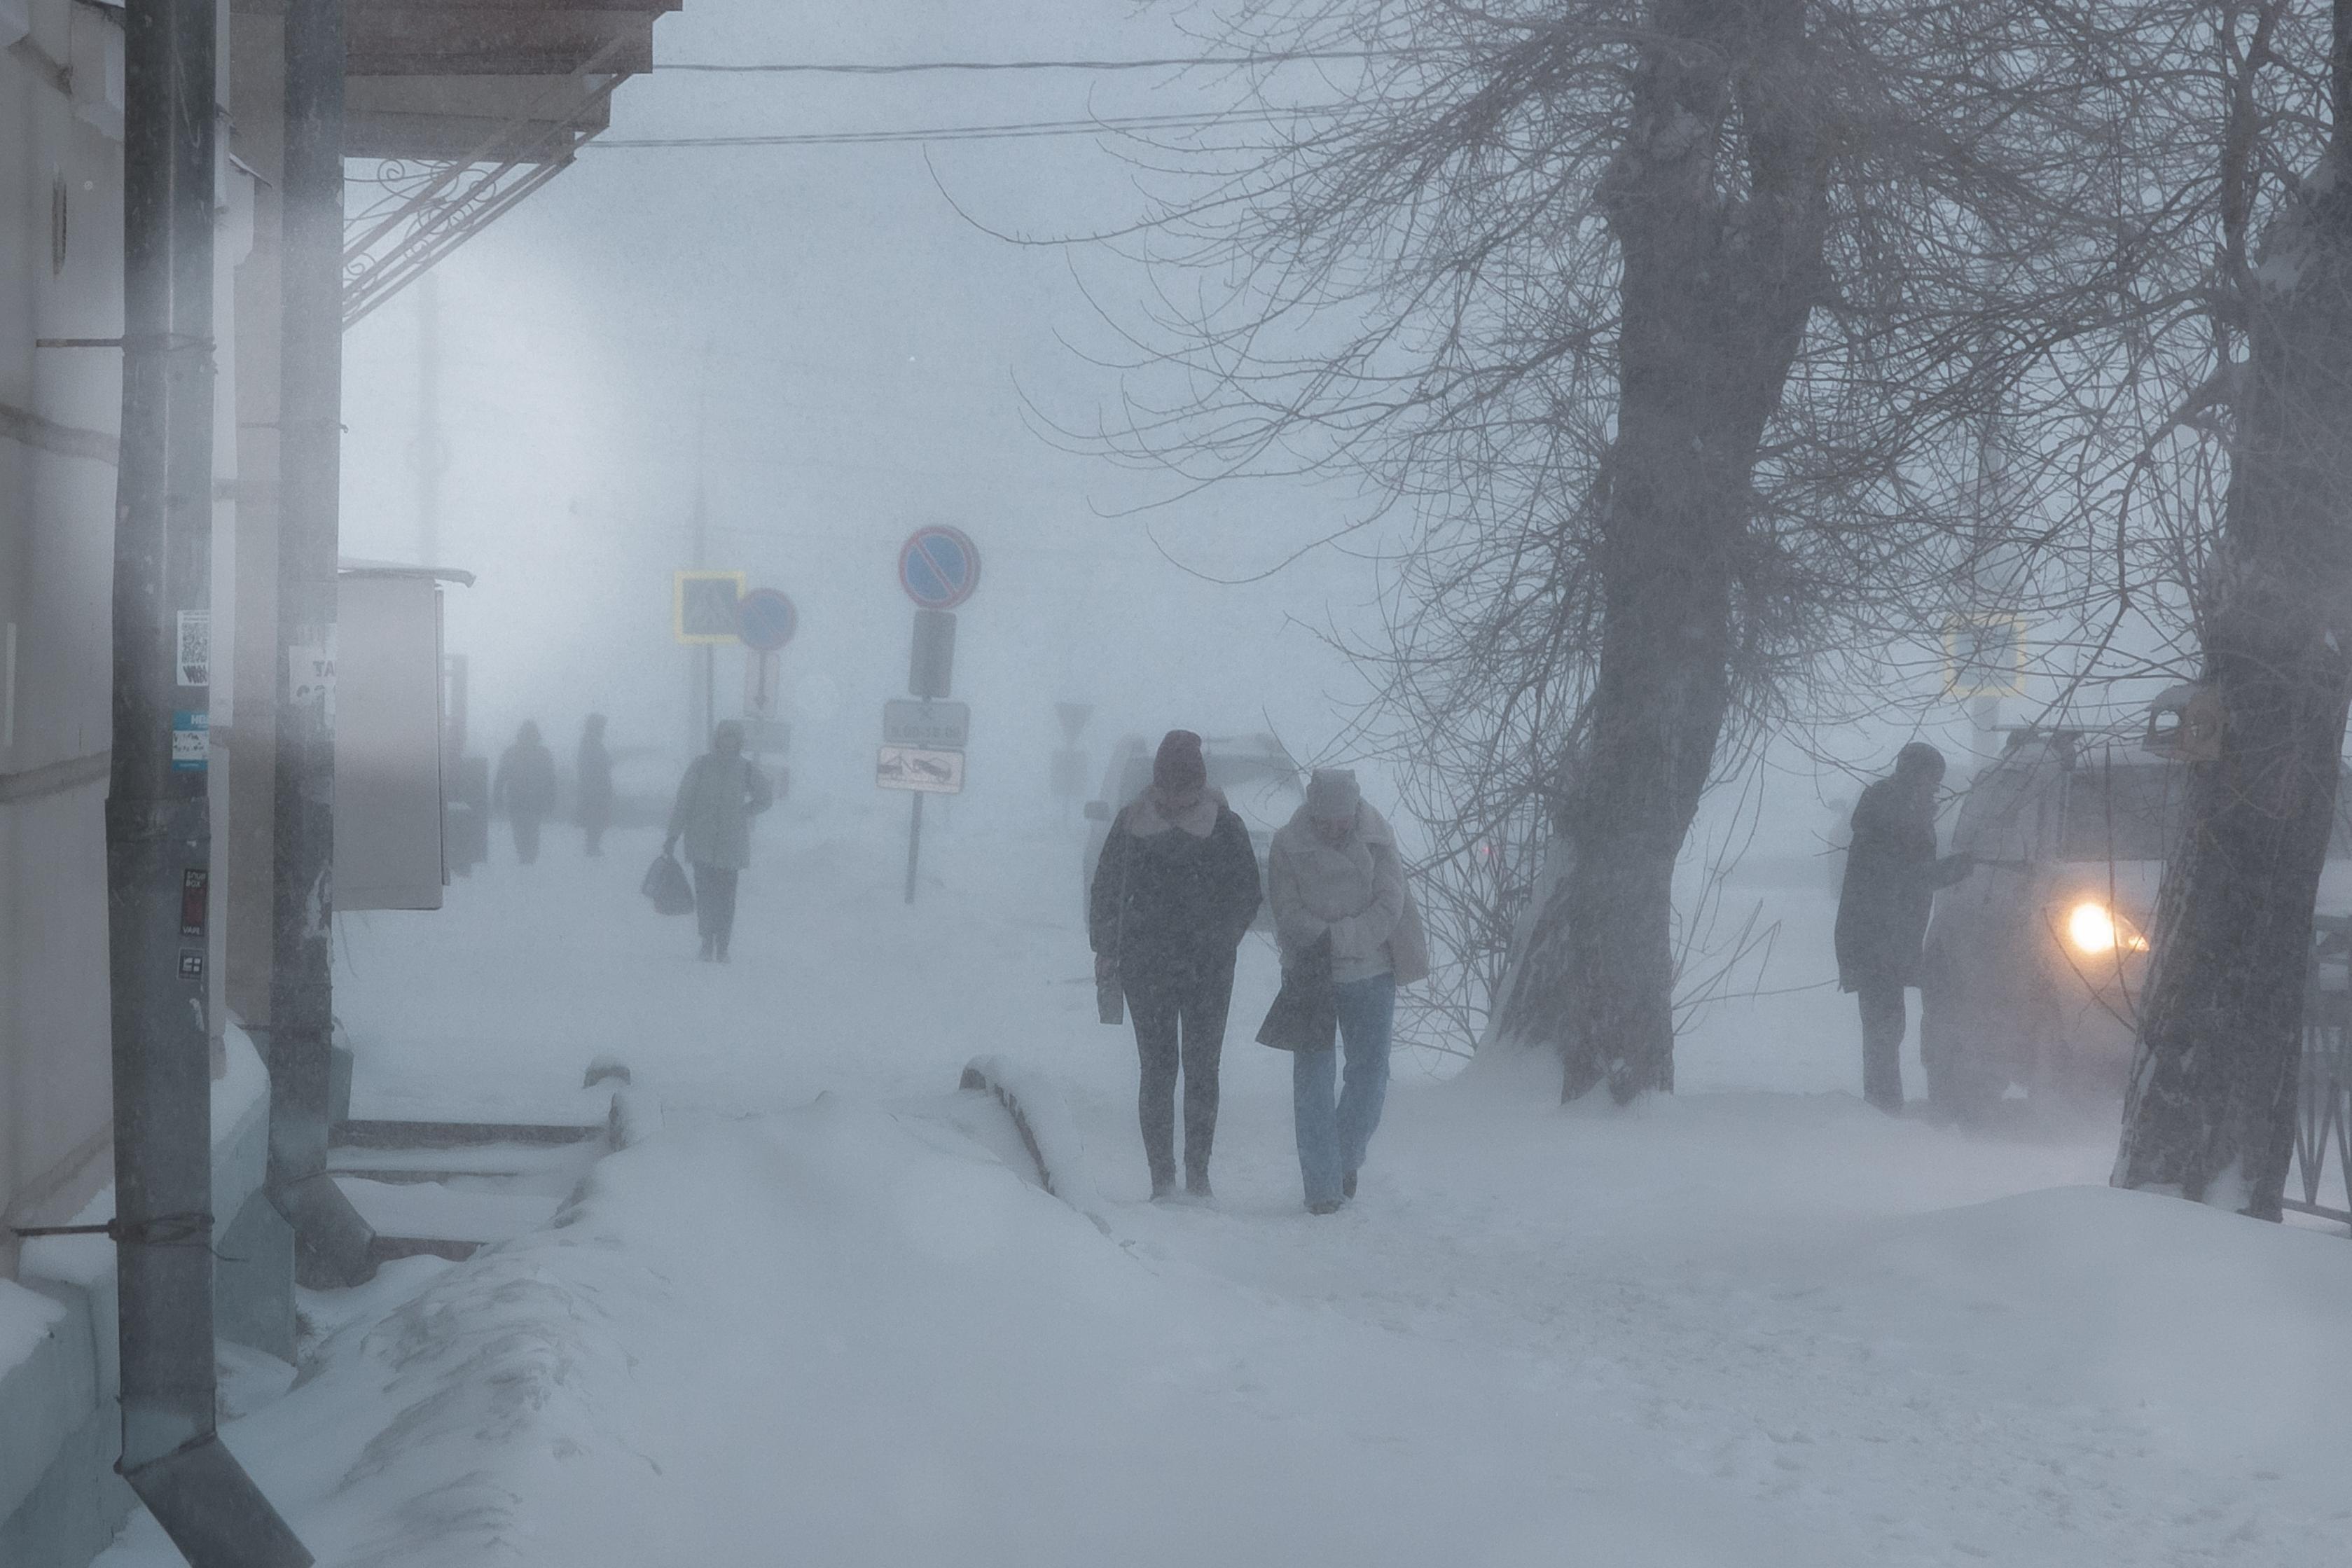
{"x":2322,"y":1115}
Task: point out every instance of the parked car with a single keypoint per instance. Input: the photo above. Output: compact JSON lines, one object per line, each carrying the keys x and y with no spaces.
{"x":1261,"y":781}
{"x":2034,"y":964}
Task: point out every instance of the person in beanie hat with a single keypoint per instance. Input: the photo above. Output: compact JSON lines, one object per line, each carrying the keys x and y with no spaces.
{"x":1334,"y":875}
{"x":1173,"y":894}
{"x":1891,"y":877}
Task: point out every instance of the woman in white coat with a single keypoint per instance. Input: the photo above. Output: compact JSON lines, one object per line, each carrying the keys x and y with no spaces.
{"x":1333,"y":874}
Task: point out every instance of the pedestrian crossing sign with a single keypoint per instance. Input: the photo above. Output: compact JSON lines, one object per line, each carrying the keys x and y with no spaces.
{"x":704,"y":606}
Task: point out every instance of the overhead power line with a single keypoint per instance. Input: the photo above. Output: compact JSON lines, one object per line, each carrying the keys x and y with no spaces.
{"x":1132,"y":122}
{"x":1168,"y":63}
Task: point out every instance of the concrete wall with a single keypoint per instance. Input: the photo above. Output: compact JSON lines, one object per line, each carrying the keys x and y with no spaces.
{"x":60,"y":276}
{"x":60,"y":1427}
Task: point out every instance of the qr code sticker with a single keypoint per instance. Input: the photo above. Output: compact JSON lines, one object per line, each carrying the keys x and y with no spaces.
{"x":196,"y":660}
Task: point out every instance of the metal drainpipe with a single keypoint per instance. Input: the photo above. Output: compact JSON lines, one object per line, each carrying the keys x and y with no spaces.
{"x":333,"y":1245}
{"x":158,"y":828}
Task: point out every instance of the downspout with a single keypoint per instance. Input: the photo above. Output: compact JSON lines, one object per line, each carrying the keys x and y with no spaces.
{"x":158,"y":827}
{"x":333,"y":1245}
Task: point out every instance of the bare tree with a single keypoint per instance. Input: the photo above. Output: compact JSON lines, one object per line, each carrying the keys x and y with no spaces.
{"x":1673,"y":324}
{"x":2211,"y":1105}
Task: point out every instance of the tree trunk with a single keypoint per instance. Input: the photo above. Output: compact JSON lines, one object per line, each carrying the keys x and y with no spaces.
{"x":2210,"y":1112}
{"x":1716,"y":201}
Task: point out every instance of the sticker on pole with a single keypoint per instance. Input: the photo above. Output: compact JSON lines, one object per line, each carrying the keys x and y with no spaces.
{"x":194,"y":648}
{"x":925,"y":771}
{"x":192,"y":741}
{"x":766,"y":620}
{"x":938,"y":567}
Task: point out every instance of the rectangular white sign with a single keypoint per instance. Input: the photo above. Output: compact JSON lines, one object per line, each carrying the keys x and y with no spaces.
{"x":940,"y":727}
{"x":913,"y":767}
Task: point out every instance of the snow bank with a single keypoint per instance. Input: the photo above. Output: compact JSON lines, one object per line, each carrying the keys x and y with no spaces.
{"x":818,"y":1338}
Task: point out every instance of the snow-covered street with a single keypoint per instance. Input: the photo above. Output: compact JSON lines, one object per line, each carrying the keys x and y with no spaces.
{"x":811,"y":1321}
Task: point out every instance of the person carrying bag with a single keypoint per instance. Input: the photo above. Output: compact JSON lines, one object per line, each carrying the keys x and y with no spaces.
{"x":1338,"y":891}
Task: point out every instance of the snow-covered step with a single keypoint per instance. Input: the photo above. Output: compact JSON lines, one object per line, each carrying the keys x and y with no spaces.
{"x":409,"y":1218}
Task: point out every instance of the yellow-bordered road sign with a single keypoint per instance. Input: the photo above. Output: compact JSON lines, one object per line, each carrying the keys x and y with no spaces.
{"x":1984,"y":657}
{"x":704,"y":606}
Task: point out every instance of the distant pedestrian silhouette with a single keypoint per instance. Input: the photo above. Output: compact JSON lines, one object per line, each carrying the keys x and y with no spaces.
{"x":717,"y":800}
{"x":525,"y":786}
{"x":592,"y":782}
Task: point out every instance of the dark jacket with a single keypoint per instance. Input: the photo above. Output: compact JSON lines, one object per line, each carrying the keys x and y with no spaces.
{"x":1169,"y":903}
{"x":1891,"y":877}
{"x":715,"y":803}
{"x":592,"y":776}
{"x":526,"y":782}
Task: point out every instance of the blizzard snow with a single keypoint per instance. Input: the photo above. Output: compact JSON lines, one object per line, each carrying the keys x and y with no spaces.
{"x":823,"y":1316}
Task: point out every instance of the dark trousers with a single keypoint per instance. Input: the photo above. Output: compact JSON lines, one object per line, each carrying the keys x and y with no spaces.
{"x":714,"y":902}
{"x":1180,"y":1020}
{"x":1883,"y":1023}
{"x":525,"y":836}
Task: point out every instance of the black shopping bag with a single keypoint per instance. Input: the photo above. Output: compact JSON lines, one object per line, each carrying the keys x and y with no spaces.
{"x":666,"y":885}
{"x":1305,"y":1011}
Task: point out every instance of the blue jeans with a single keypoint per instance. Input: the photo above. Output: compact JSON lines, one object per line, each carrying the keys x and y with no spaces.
{"x":1332,"y":1139}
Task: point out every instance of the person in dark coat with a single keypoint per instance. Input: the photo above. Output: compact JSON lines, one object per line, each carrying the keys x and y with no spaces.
{"x":1173,"y":895}
{"x":592,"y":774}
{"x":717,"y":800}
{"x":1891,"y":877}
{"x":526,"y":787}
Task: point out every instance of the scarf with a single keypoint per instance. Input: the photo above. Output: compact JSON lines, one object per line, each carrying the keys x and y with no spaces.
{"x":1149,"y":814}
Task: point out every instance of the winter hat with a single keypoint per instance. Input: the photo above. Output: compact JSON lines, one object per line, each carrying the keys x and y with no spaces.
{"x":1180,"y":765}
{"x":1331,"y":793}
{"x":1920,"y":757}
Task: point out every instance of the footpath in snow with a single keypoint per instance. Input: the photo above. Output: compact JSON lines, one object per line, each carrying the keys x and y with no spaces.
{"x":826,"y":1317}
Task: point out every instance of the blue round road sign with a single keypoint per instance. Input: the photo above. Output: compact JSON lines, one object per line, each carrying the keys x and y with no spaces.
{"x":766,"y":620}
{"x":938,"y":567}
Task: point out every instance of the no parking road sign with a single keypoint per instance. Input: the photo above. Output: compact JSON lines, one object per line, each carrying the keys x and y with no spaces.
{"x":766,"y":620}
{"x":938,"y":567}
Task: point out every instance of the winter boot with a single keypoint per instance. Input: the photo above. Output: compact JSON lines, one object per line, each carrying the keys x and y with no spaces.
{"x":1330,"y":1206}
{"x":708,"y":947}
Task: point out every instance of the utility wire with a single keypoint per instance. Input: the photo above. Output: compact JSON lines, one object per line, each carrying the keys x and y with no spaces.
{"x":1171,"y":62}
{"x":960,"y":132}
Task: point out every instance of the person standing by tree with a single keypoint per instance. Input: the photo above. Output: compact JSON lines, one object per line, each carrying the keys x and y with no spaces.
{"x":526,"y":787}
{"x":1334,"y":874}
{"x":1173,"y":894}
{"x":592,"y":775}
{"x":717,"y":800}
{"x":1891,"y":877}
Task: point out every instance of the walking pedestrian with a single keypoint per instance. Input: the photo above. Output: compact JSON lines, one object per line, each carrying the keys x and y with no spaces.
{"x":592,"y":775}
{"x":526,"y":787}
{"x":1891,"y":877}
{"x":717,"y":800}
{"x":1334,"y":876}
{"x":1172,"y":897}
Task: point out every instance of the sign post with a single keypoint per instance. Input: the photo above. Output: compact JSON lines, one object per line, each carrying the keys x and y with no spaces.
{"x":706,"y":611}
{"x":923,"y":745}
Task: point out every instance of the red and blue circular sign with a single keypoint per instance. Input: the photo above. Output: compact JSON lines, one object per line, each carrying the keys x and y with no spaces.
{"x":938,"y":567}
{"x":765,"y":620}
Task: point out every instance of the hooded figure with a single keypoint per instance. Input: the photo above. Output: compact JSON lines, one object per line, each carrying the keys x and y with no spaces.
{"x":1891,"y":877}
{"x":717,"y":800}
{"x":1173,"y":894}
{"x":1334,"y":876}
{"x":526,"y":787}
{"x":592,"y":777}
